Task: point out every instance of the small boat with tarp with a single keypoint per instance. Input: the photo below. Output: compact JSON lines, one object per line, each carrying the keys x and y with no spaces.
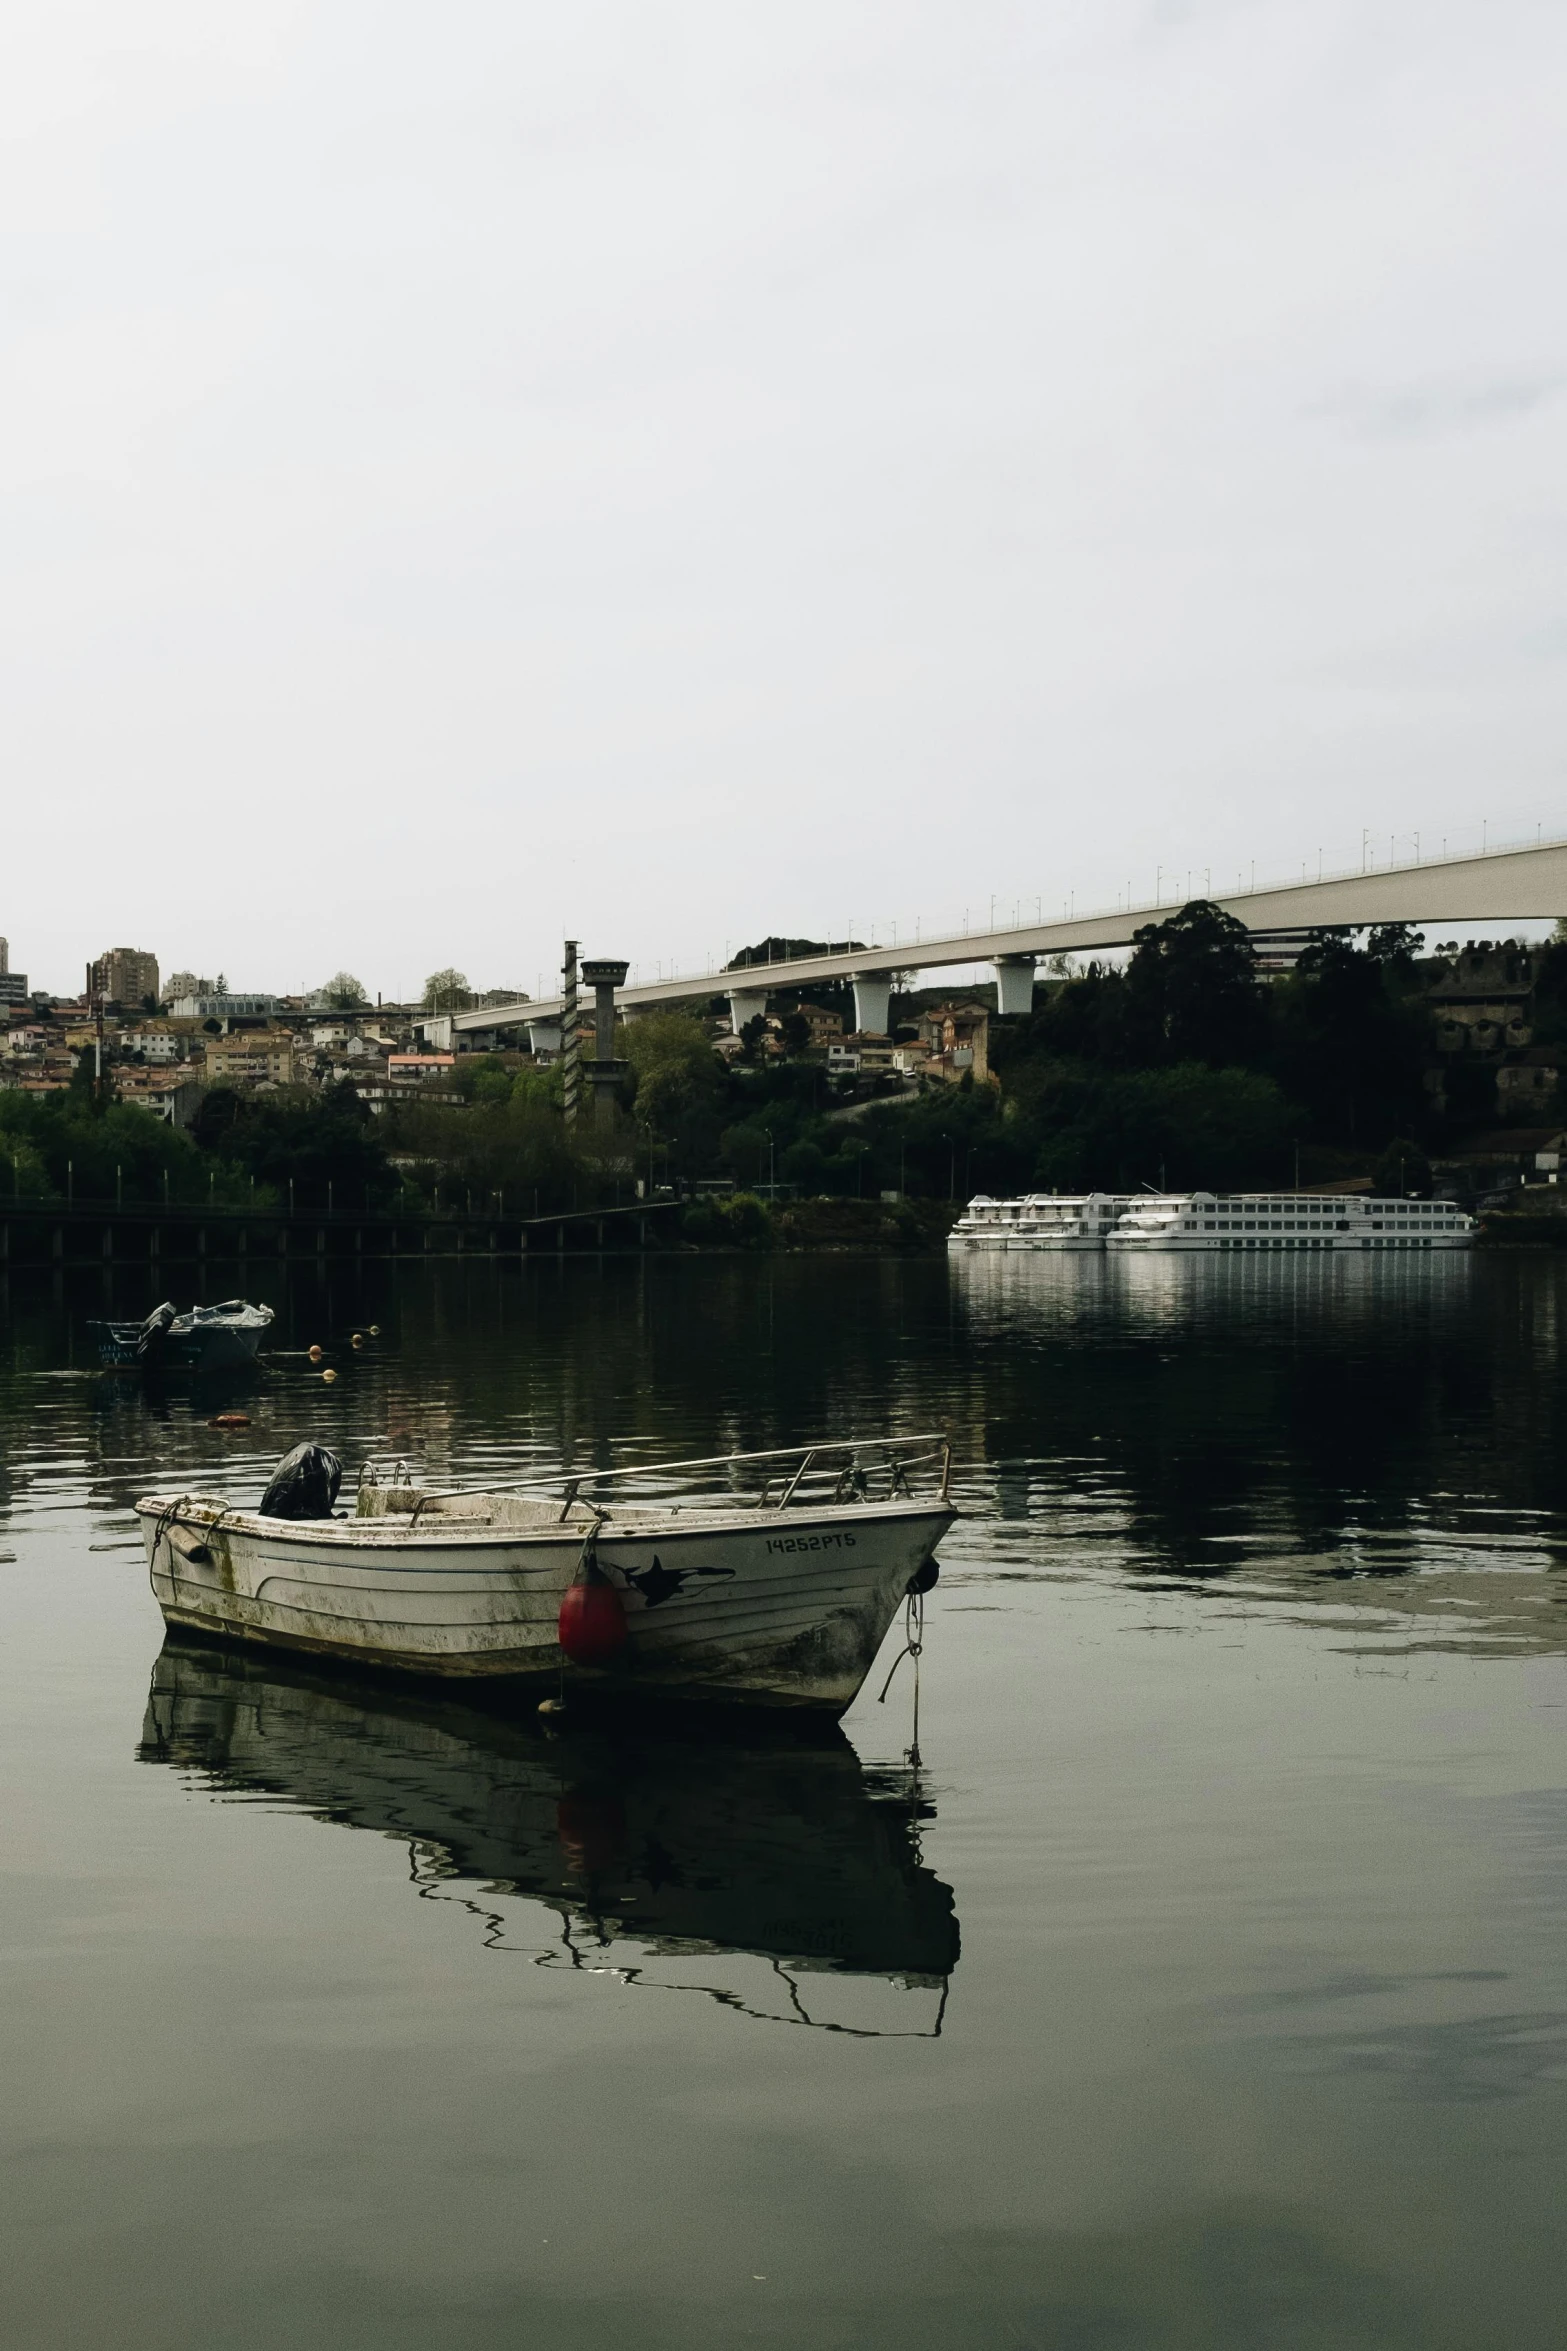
{"x":208,"y":1338}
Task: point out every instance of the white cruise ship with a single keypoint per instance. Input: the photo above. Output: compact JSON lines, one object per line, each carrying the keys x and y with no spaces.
{"x":985,"y":1223}
{"x":1065,"y":1220}
{"x":1040,"y":1220}
{"x":1289,"y":1220}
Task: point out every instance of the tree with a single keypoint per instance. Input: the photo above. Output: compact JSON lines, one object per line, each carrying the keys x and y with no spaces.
{"x":1192,"y":991}
{"x":1403,"y":1172}
{"x":343,"y":992}
{"x":312,"y":1140}
{"x":447,"y":991}
{"x":1354,"y":1037}
{"x":678,"y":1082}
{"x":1177,"y":1128}
{"x":1395,"y":945}
{"x":1087,"y":1017}
{"x":781,"y":950}
{"x":83,"y":1089}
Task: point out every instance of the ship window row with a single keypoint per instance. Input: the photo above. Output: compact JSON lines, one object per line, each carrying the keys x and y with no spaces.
{"x":1407,"y":1240}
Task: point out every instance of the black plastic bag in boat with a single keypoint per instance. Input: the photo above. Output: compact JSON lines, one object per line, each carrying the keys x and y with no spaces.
{"x":303,"y":1485}
{"x":155,"y":1330}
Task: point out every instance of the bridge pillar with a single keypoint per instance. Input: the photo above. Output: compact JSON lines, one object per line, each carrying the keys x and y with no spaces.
{"x":1014,"y":984}
{"x":745,"y":1004}
{"x":544,"y":1036}
{"x":872,"y":1000}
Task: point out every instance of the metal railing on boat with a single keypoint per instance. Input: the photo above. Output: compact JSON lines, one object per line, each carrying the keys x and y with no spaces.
{"x":827,"y":1473}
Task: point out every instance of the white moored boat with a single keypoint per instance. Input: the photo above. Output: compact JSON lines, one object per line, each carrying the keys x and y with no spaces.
{"x":1208,"y":1221}
{"x":770,"y":1578}
{"x":1038,"y":1220}
{"x":1060,"y":1220}
{"x":985,"y":1223}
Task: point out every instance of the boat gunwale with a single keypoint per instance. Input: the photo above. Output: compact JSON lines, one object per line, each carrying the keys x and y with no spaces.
{"x":432,"y":1535}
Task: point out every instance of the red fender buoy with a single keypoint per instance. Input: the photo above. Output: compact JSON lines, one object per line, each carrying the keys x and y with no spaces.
{"x":592,"y":1625}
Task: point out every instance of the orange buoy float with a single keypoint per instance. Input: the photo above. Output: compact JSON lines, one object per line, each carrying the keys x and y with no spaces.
{"x":592,"y":1623}
{"x":329,"y":1376}
{"x":229,"y":1420}
{"x":314,"y":1354}
{"x":357,"y":1340}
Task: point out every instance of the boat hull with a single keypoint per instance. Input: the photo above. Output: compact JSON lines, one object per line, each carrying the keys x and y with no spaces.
{"x":213,"y":1348}
{"x":775,"y":1608}
{"x":1205,"y":1245}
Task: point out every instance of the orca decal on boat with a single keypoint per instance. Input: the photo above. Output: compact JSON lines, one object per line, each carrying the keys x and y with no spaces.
{"x":659,"y":1583}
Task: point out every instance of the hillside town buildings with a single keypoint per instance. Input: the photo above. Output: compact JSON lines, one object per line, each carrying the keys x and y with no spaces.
{"x":1491,"y":1063}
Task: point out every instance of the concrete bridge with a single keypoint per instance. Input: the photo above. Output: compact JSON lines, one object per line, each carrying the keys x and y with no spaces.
{"x":1501,"y":885}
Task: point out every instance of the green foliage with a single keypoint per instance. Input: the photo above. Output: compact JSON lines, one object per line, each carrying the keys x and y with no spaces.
{"x":677,"y":1086}
{"x":1177,"y":1129}
{"x":781,"y":950}
{"x":1550,"y":990}
{"x":512,"y":1148}
{"x":864,"y":1224}
{"x":23,"y":1175}
{"x":1403,"y":1171}
{"x":1192,"y":992}
{"x":1351,"y":1040}
{"x":483,"y":1077}
{"x":447,"y":990}
{"x":1189,"y":993}
{"x":59,"y":1143}
{"x":343,"y":992}
{"x":1341,"y":1045}
{"x":738,"y":1222}
{"x":326,"y":1145}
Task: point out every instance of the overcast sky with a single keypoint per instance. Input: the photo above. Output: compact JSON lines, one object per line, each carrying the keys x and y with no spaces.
{"x":676,"y":472}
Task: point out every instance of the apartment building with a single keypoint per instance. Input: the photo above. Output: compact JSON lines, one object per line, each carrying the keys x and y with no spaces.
{"x":254,"y":1057}
{"x":124,"y":975}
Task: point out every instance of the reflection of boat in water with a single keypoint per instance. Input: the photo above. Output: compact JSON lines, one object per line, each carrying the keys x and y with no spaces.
{"x":648,"y":1842}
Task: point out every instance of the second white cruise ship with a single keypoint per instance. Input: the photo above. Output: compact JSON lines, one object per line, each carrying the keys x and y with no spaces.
{"x":1040,"y":1220}
{"x":1290,"y":1220}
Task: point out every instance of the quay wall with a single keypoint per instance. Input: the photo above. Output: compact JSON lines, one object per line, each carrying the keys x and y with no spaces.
{"x":84,"y":1233}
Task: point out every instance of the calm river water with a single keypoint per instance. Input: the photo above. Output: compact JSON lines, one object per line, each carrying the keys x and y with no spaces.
{"x":1206,"y":1986}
